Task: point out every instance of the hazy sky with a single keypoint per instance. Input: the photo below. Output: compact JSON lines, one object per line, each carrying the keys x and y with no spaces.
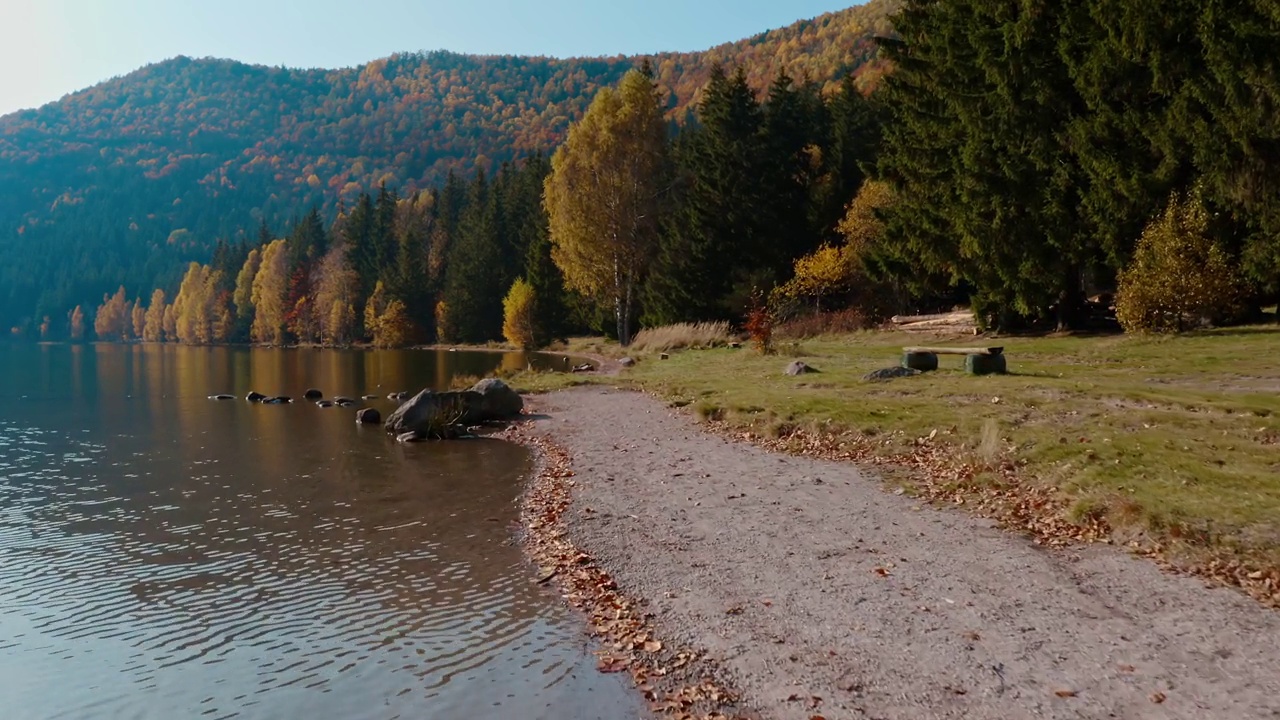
{"x":53,"y":47}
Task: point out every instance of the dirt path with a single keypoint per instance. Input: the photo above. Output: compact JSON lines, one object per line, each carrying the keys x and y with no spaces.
{"x":806,"y":580}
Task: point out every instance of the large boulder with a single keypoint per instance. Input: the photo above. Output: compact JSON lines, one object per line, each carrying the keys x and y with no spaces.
{"x":445,"y":414}
{"x":433,"y":414}
{"x":497,"y":400}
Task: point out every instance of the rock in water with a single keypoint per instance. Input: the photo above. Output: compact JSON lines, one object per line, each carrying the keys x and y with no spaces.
{"x":370,"y":397}
{"x":498,"y":400}
{"x":222,"y":397}
{"x":368,"y":416}
{"x":431,"y":414}
{"x":324,"y":403}
{"x":313,"y":394}
{"x":799,"y":368}
{"x":278,"y":400}
{"x":255,"y":397}
{"x":891,"y":373}
{"x":410,"y":437}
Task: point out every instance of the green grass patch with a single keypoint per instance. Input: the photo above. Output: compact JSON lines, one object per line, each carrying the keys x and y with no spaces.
{"x":1173,"y":437}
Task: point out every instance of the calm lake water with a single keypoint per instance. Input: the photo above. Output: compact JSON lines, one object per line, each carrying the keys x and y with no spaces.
{"x":163,"y":555}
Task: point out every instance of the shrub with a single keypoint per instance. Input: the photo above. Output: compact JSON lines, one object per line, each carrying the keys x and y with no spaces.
{"x":813,"y":324}
{"x":519,"y":316}
{"x":682,"y":335}
{"x":759,"y":324}
{"x":1178,"y":275}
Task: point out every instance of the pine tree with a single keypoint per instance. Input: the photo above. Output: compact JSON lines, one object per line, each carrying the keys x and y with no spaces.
{"x":475,"y":282}
{"x":714,"y":228}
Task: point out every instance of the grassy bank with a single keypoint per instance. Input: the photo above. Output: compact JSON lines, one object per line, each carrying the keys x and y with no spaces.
{"x":1171,"y":441}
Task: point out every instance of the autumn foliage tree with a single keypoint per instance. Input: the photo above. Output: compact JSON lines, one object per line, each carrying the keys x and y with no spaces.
{"x":520,"y":316}
{"x":153,"y":329}
{"x":268,"y":294}
{"x":75,"y":323}
{"x":603,"y":196}
{"x":1178,"y":276}
{"x":113,"y":321}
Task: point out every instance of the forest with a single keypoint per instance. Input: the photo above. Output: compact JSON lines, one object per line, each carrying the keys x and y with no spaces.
{"x":127,"y":182}
{"x":1020,"y":159}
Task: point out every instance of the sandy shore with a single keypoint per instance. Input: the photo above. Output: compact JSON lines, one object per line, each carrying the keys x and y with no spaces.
{"x":814,"y":592}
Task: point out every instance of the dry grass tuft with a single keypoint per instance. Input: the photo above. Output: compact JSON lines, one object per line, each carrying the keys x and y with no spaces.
{"x":989,"y":447}
{"x":681,"y":336}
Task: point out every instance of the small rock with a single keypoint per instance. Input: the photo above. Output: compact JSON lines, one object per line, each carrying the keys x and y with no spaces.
{"x":222,"y":397}
{"x":255,"y":397}
{"x":369,"y":416}
{"x":891,"y":373}
{"x":627,"y":362}
{"x":410,"y":437}
{"x":324,"y":403}
{"x":370,"y":397}
{"x":312,"y":394}
{"x":664,"y":356}
{"x":798,"y":367}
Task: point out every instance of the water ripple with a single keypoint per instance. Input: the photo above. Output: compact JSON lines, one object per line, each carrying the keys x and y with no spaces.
{"x":167,"y":591}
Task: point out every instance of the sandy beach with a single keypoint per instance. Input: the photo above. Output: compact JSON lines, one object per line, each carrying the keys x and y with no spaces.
{"x":814,"y":591}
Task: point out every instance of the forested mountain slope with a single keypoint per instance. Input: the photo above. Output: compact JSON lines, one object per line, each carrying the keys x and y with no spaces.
{"x":126,"y":181}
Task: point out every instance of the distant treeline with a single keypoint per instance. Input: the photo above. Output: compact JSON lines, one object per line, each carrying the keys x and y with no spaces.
{"x":752,"y":186}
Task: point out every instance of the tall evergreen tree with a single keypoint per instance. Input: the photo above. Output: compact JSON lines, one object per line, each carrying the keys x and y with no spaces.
{"x":715,"y":227}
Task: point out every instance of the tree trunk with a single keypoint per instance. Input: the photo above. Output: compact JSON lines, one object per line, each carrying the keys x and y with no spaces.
{"x":1070,"y":300}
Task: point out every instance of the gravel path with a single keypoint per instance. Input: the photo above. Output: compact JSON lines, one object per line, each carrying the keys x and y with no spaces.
{"x":819,"y":593}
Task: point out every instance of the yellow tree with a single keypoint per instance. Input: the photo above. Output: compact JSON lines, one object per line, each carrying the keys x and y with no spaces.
{"x":153,"y":328}
{"x":192,"y":308}
{"x":112,"y":319}
{"x":336,"y":290}
{"x":602,"y":196}
{"x":242,"y":298}
{"x":518,"y":316}
{"x":269,"y":294}
{"x":170,"y":324}
{"x":138,"y":319}
{"x":373,"y":310}
{"x":75,"y":321}
{"x":1178,"y":273}
{"x":394,"y":326}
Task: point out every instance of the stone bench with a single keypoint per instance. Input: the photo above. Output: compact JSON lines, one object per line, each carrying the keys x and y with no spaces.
{"x":977,"y":360}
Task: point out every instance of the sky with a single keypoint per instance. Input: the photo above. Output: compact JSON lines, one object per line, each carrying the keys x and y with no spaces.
{"x":55,"y":47}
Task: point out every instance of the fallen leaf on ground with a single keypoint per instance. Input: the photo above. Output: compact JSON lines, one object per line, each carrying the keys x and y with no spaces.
{"x":1064,"y":693}
{"x":612,"y":665}
{"x":1157,"y":697}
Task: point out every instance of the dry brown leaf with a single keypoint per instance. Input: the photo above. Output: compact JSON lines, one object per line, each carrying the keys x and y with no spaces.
{"x":1064,"y":693}
{"x":1158,"y":697}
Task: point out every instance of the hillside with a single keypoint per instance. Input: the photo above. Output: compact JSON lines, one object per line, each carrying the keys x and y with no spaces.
{"x":122,"y":182}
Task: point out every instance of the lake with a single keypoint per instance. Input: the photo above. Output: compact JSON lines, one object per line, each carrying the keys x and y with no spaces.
{"x":163,"y":555}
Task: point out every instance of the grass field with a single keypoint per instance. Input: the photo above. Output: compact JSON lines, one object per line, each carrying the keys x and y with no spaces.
{"x":1168,"y":438}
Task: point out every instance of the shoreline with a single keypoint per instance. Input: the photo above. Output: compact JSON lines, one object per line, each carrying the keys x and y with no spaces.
{"x":814,"y":592}
{"x":671,"y":679}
